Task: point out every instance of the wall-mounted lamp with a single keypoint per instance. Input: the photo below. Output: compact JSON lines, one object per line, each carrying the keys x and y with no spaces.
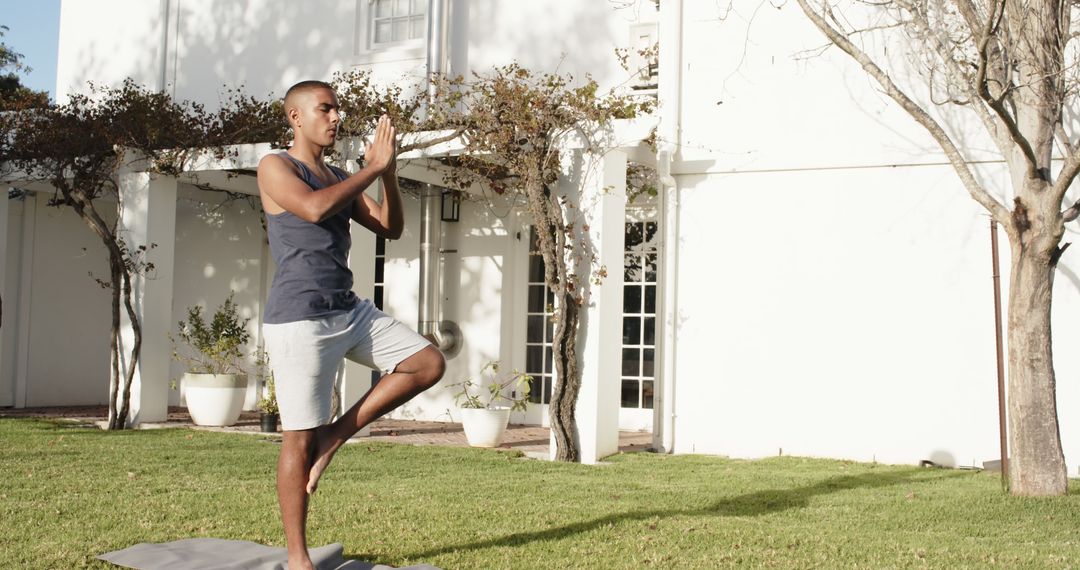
{"x":451,"y":206}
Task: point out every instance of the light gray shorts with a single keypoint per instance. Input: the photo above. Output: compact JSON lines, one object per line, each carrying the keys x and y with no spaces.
{"x":305,"y":356}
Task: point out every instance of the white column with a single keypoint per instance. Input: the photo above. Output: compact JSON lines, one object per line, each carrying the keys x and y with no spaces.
{"x":5,"y":322}
{"x":21,"y":311}
{"x":603,"y":206}
{"x":667,"y":302}
{"x":149,"y":218}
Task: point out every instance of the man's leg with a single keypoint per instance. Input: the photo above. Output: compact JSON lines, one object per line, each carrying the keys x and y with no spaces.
{"x":294,"y":464}
{"x":412,"y":376}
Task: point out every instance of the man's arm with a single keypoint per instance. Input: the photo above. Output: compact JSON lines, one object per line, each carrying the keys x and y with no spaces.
{"x":386,"y":219}
{"x":279,"y":182}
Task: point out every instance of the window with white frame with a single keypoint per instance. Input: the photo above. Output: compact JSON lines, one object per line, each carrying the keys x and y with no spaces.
{"x":377,"y":296}
{"x":393,"y":22}
{"x":539,"y":360}
{"x":643,"y":58}
{"x":639,"y":312}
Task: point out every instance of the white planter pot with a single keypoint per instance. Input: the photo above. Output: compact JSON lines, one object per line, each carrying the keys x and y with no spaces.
{"x":215,"y":399}
{"x":484,"y":427}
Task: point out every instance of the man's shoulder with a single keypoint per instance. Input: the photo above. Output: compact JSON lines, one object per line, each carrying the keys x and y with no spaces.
{"x":279,"y":163}
{"x":276,"y":157}
{"x":271,"y":160}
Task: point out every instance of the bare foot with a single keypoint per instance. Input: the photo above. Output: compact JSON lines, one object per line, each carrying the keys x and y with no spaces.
{"x":325,"y":447}
{"x":301,"y":563}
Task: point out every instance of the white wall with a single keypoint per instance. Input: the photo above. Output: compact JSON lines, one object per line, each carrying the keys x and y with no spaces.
{"x":757,"y":95}
{"x":267,"y":45}
{"x":67,"y":341}
{"x":105,"y":42}
{"x":829,"y":303}
{"x":855,"y":321}
{"x":218,"y":249}
{"x":564,"y":36}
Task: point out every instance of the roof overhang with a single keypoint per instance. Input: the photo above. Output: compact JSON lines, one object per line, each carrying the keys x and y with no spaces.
{"x":234,"y":169}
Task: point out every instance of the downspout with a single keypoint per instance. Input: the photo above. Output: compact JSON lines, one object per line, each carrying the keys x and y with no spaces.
{"x":443,"y":334}
{"x":669,"y":92}
{"x":163,"y":48}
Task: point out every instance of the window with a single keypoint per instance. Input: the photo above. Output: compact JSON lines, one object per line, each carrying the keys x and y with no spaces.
{"x":644,"y":60}
{"x":539,"y":361}
{"x":377,"y":295}
{"x":390,"y":30}
{"x":396,"y":21}
{"x":639,"y":314}
{"x":380,"y":268}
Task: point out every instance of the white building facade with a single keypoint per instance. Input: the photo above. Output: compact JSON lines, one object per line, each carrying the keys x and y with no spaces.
{"x":811,"y":280}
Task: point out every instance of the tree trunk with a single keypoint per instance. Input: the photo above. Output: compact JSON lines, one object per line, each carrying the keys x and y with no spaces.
{"x":136,"y":349}
{"x":564,"y":396}
{"x":114,"y":345}
{"x":120,"y":285}
{"x":551,"y":233}
{"x":1036,"y":463}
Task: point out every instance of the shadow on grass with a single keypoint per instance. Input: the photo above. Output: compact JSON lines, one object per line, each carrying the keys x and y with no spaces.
{"x":750,"y":504}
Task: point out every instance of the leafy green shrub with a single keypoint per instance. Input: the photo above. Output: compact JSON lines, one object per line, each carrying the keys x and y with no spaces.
{"x":480,"y":395}
{"x":217,"y":346}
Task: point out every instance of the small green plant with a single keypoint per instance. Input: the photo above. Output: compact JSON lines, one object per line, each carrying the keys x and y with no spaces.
{"x":482,"y":395}
{"x":267,"y":404}
{"x":216,"y":347}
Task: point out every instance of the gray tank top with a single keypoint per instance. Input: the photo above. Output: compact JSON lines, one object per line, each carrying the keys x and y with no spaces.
{"x":312,"y":279}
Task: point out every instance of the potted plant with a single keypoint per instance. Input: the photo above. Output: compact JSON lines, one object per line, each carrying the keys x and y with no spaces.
{"x":486,"y":406}
{"x":267,"y":404}
{"x":215,"y":384}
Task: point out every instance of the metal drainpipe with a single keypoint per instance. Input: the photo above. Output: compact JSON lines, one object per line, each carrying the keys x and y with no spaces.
{"x":444,"y":334}
{"x":670,"y":95}
{"x":1003,"y":432}
{"x":163,"y":46}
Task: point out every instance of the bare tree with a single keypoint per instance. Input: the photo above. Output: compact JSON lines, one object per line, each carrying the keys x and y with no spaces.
{"x":1010,"y":66}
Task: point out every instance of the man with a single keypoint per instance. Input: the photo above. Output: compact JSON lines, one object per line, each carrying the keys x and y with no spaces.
{"x":312,"y":318}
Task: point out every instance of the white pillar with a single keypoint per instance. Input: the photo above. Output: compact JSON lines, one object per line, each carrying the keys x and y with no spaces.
{"x":5,"y":322}
{"x":149,"y":218}
{"x":603,"y":209}
{"x":21,"y":310}
{"x":667,"y":302}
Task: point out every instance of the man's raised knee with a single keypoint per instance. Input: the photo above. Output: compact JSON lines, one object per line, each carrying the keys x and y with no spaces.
{"x":434,"y":367}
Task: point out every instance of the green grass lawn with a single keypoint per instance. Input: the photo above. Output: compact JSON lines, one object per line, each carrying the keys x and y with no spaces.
{"x":68,"y":494}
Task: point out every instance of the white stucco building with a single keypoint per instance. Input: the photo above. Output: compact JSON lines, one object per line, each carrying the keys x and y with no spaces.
{"x":817,"y":282}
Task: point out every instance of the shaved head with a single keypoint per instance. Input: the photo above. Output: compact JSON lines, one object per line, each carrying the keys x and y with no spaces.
{"x":294,"y":93}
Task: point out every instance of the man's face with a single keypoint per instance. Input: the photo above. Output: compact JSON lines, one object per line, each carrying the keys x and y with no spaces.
{"x":318,"y":116}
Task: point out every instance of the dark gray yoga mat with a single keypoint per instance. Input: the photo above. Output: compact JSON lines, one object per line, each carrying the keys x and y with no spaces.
{"x":219,"y":554}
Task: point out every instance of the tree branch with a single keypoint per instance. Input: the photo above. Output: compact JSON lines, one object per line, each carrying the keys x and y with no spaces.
{"x":1067,"y":175}
{"x":991,"y":123}
{"x":996,"y":208}
{"x":1071,"y":213}
{"x":432,"y":142}
{"x":1063,"y":138}
{"x":997,"y":9}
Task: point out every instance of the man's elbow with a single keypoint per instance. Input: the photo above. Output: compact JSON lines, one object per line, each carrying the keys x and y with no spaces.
{"x":393,"y":233}
{"x":314,"y":214}
{"x":311,"y":217}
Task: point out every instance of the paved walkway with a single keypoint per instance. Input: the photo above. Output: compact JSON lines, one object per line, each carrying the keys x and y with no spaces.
{"x":531,"y":440}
